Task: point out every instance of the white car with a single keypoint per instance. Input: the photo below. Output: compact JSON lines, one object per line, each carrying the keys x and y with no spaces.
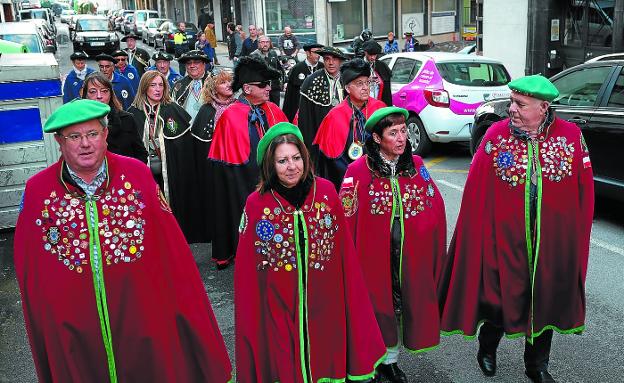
{"x":66,"y":15}
{"x":441,"y":91}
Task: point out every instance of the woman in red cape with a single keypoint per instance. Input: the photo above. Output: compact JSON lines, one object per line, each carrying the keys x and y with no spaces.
{"x":391,"y":191}
{"x":302,"y":312}
{"x":518,"y":259}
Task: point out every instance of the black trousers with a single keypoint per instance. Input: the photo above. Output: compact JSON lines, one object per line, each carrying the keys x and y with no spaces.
{"x":395,"y":269}
{"x":536,"y":355}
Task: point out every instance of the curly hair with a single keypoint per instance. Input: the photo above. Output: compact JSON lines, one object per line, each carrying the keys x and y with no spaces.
{"x":209,"y":91}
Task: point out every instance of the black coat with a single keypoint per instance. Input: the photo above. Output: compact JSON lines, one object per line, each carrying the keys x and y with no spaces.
{"x":124,"y":136}
{"x":385,"y":73}
{"x":181,"y":88}
{"x":297,"y":75}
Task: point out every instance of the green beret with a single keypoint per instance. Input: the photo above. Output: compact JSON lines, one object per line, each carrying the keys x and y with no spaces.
{"x":278,"y":129}
{"x":75,"y":112}
{"x":379,"y":114}
{"x":536,"y":86}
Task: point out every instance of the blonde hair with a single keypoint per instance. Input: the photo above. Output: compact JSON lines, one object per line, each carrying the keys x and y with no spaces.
{"x":209,"y":91}
{"x":146,"y":79}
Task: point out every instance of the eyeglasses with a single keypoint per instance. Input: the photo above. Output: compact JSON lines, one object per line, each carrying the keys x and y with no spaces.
{"x":122,"y":59}
{"x":361,"y":84}
{"x":75,"y":138}
{"x":260,"y":84}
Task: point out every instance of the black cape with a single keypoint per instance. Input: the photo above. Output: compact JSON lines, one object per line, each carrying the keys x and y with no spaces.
{"x":297,"y":75}
{"x":314,"y":105}
{"x":181,"y":173}
{"x":124,"y":137}
{"x":182,"y":88}
{"x":202,"y":130}
{"x":140,"y":60}
{"x":384,"y":73}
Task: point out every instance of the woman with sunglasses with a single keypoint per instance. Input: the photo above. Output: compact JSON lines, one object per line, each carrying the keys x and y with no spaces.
{"x":165,"y":129}
{"x":302,"y":312}
{"x":123,"y":132}
{"x":217,"y":95}
{"x":233,"y":151}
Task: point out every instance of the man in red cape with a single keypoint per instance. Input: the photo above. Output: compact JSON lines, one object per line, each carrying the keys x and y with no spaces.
{"x":233,"y":151}
{"x":518,"y":260}
{"x":340,"y":137}
{"x":110,"y":289}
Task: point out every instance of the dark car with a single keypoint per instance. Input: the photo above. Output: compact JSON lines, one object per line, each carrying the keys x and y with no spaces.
{"x":591,"y":95}
{"x":164,"y":39}
{"x":94,"y":34}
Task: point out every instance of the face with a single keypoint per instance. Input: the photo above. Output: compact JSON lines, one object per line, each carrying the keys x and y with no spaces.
{"x":122,"y":62}
{"x":155,"y":90}
{"x":163,"y":66}
{"x":224,"y":90}
{"x":80,"y":64}
{"x":131,"y":43}
{"x":84,"y":155}
{"x":98,"y":92}
{"x":202,"y":37}
{"x":257,"y":93}
{"x":287,"y":31}
{"x":526,"y":112}
{"x":288,"y":164}
{"x":392,"y":141}
{"x":390,"y":36}
{"x":195,"y":68}
{"x":264,"y":44}
{"x":312,"y":56}
{"x":106,"y":67}
{"x":332,"y":64}
{"x":182,"y":27}
{"x":253,"y":32}
{"x":370,"y":57}
{"x":359,"y":89}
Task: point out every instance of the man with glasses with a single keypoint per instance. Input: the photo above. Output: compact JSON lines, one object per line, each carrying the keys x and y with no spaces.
{"x":137,"y":57}
{"x":121,"y":86}
{"x":75,"y":77}
{"x":101,"y":264}
{"x":187,"y":91}
{"x":320,"y":92}
{"x":125,"y":69}
{"x":233,"y":151}
{"x":297,"y":75}
{"x":340,"y":138}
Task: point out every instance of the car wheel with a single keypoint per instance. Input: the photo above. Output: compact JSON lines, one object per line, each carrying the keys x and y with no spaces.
{"x":475,"y":140}
{"x":421,"y":144}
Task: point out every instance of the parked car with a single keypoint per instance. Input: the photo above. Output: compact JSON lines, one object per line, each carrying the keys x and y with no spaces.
{"x":94,"y":35}
{"x":24,"y":33}
{"x":591,"y":95}
{"x":66,"y":15}
{"x":168,"y":29}
{"x":39,"y":13}
{"x":58,"y":8}
{"x":441,"y":91}
{"x":140,"y":17}
{"x":150,"y":30}
{"x":119,"y":20}
{"x":44,"y":29}
{"x":128,"y":23}
{"x":609,"y":56}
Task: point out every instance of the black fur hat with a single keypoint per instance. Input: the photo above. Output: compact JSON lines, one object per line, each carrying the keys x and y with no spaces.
{"x":353,"y":69}
{"x":252,"y":69}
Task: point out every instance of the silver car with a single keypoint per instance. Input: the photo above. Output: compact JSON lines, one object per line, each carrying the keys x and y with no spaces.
{"x":150,"y":30}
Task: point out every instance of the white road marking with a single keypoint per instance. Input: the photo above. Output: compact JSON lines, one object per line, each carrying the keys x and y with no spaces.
{"x":606,"y":246}
{"x":451,"y":185}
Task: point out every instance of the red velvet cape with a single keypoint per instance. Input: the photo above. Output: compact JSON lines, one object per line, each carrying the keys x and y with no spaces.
{"x":271,"y":298}
{"x":331,"y":137}
{"x":487,"y":273}
{"x":161,"y":321}
{"x":368,"y":203}
{"x":230,"y":143}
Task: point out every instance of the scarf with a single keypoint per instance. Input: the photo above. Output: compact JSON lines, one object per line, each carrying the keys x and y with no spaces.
{"x":256,"y":117}
{"x":358,"y":120}
{"x":81,"y":74}
{"x":221,"y":107}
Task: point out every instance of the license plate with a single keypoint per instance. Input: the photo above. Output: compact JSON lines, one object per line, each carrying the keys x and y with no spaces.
{"x":97,"y":44}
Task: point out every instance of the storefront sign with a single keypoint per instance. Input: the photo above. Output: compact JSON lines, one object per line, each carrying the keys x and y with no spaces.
{"x":413,"y":22}
{"x":554,"y":30}
{"x":442,"y":22}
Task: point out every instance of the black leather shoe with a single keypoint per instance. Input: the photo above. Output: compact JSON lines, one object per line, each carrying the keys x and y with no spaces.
{"x":392,"y":372}
{"x":540,"y":376}
{"x":487,"y":363}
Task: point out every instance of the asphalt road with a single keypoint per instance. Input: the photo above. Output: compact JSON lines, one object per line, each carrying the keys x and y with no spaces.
{"x":595,"y":356}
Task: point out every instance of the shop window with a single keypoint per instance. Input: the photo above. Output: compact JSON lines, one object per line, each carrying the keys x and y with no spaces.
{"x":413,"y":6}
{"x":347,"y":19}
{"x":298,"y":14}
{"x":444,"y":5}
{"x":594,"y":18}
{"x":383,"y":17}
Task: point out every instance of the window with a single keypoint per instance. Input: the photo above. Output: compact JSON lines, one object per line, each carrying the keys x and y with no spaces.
{"x":444,"y":5}
{"x":297,"y":14}
{"x":580,"y":88}
{"x":347,"y":19}
{"x":383,"y":17}
{"x":404,"y":70}
{"x":616,"y":100}
{"x":474,"y":74}
{"x":413,"y":6}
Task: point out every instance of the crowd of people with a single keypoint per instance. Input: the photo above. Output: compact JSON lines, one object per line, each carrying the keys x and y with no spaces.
{"x":336,"y":230}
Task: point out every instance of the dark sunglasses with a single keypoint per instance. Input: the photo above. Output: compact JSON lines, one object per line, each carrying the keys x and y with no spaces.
{"x":261,"y":84}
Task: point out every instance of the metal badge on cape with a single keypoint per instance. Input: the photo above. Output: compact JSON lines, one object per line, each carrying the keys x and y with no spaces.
{"x":355,"y":151}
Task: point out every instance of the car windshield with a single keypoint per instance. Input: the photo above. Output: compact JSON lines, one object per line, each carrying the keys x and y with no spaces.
{"x":154,"y":23}
{"x":474,"y":74}
{"x":38,"y":14}
{"x":141,"y":16}
{"x":92,"y":25}
{"x":30,"y":41}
